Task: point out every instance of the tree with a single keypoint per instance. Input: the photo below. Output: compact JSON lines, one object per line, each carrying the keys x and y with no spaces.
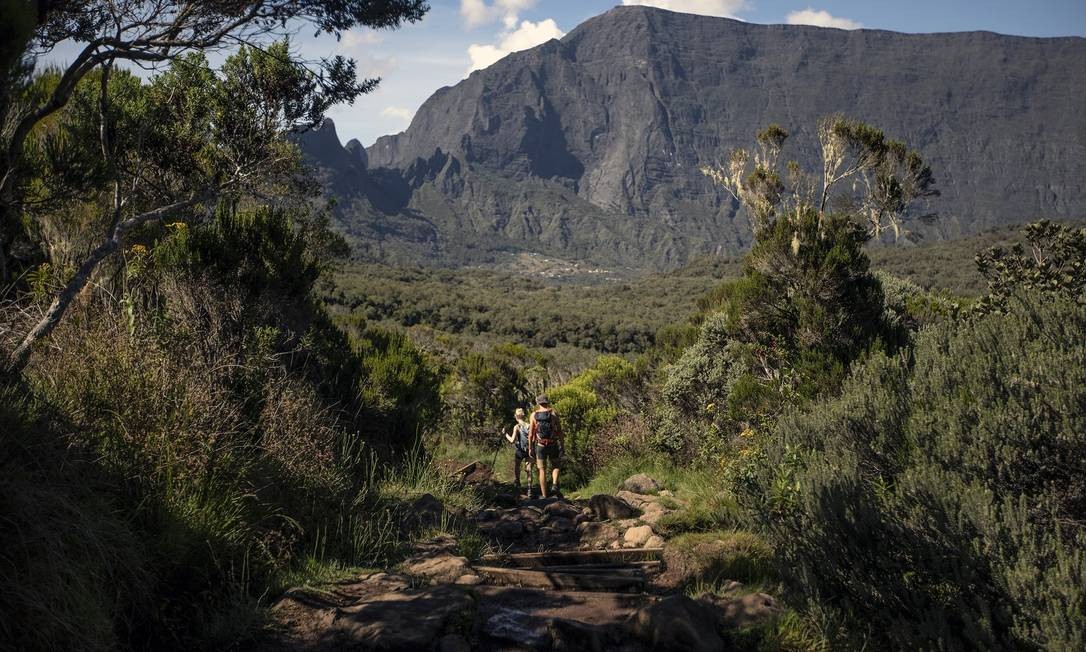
{"x":807,"y":304}
{"x":218,"y":135}
{"x":1055,"y":265}
{"x":888,"y":178}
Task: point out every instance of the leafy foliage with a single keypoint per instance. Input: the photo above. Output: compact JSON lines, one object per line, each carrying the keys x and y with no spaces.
{"x":807,"y":304}
{"x":482,"y":390}
{"x":942,"y":501}
{"x":1056,"y":265}
{"x":606,"y":391}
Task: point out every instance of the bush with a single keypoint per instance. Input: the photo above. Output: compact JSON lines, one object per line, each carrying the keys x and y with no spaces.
{"x":482,"y":390}
{"x":785,"y":333}
{"x":236,"y":426}
{"x":592,"y":399}
{"x":940,"y":505}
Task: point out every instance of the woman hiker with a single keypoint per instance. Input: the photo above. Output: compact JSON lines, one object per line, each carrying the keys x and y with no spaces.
{"x":545,"y":438}
{"x":518,"y":436}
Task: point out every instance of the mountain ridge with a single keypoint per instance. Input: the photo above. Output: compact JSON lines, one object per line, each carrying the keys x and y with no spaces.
{"x":589,"y":147}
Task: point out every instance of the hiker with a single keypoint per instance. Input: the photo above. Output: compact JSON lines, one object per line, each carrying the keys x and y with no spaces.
{"x":522,"y":452}
{"x":545,"y":437}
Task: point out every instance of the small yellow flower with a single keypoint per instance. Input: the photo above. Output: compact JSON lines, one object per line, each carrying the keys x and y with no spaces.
{"x":747,"y":433}
{"x":177,"y":225}
{"x":746,"y":452}
{"x":710,"y":407}
{"x":138,"y":250}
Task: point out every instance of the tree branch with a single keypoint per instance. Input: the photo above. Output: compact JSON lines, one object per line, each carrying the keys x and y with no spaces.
{"x":21,"y":355}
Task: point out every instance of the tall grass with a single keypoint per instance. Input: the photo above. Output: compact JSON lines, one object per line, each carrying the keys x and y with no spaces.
{"x":74,"y":570}
{"x":702,"y":500}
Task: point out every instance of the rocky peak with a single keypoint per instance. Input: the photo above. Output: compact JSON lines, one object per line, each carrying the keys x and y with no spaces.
{"x":591,"y":145}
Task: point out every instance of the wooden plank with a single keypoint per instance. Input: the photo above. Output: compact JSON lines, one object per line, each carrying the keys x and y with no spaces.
{"x":624,"y":571}
{"x":543,"y":579}
{"x":640,"y":566}
{"x":570,"y":557}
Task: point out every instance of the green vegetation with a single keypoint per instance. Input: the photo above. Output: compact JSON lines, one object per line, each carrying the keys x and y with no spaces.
{"x":910,"y":463}
{"x":184,"y":430}
{"x":198,"y":409}
{"x":482,"y":306}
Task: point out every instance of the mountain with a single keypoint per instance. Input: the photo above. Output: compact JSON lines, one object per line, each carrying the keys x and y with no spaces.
{"x":588,"y":148}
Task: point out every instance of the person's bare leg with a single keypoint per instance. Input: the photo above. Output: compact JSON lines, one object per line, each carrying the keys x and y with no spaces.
{"x":554,"y":477}
{"x":516,"y":470}
{"x":542,"y":481}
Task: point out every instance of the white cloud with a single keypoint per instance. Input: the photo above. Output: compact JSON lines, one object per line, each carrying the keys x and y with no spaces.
{"x":398,"y":112}
{"x":723,"y":8}
{"x":528,"y":35}
{"x":356,"y":40}
{"x":811,"y":16}
{"x":478,"y":12}
{"x":373,"y":66}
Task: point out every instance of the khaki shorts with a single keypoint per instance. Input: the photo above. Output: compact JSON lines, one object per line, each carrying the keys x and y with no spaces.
{"x":547,"y":455}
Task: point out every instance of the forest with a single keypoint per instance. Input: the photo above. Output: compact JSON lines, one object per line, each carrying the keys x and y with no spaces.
{"x":205,"y":402}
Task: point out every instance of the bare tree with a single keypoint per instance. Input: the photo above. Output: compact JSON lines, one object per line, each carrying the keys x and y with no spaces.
{"x":887,"y":179}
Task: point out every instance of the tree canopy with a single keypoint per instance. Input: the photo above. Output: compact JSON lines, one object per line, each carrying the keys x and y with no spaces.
{"x":93,"y":143}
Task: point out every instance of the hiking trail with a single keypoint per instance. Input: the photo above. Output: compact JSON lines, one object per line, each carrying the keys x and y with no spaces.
{"x":568,"y":575}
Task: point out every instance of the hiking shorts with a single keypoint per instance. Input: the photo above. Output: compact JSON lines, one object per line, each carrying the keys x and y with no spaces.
{"x":547,"y":455}
{"x":520,"y":453}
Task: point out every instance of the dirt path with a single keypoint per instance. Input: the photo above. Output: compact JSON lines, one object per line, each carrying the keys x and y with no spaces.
{"x":567,"y":574}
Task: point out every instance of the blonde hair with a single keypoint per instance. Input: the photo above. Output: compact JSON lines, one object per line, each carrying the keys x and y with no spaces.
{"x":519,"y":413}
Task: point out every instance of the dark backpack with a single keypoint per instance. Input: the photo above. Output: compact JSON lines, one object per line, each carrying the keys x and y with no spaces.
{"x":522,"y":437}
{"x":544,"y":426}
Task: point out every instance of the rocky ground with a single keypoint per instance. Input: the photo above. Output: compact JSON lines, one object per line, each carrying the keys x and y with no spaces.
{"x":561,"y":575}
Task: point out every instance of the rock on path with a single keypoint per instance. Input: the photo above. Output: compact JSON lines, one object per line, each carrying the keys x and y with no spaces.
{"x":442,"y":601}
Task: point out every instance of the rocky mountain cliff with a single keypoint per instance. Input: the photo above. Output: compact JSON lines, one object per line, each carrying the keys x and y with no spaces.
{"x":588,"y":148}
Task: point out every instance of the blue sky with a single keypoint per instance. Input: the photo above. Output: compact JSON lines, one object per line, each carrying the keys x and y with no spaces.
{"x":456,"y":35}
{"x":459,"y":35}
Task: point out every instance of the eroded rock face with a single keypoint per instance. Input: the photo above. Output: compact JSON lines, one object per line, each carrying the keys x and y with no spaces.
{"x":426,"y":512}
{"x":751,"y":609}
{"x":589,"y":148}
{"x":437,"y":567}
{"x":636,"y":537}
{"x":635,"y":499}
{"x":518,"y":627}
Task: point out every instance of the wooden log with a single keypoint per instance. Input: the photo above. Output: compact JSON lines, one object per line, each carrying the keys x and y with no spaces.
{"x":625,"y":571}
{"x":545,"y":579}
{"x":641,"y":566}
{"x":465,"y":470}
{"x":570,"y":557}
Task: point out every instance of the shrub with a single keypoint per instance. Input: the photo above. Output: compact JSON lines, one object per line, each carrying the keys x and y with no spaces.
{"x":940,"y":505}
{"x":236,"y":426}
{"x":601,"y":402}
{"x":482,"y":390}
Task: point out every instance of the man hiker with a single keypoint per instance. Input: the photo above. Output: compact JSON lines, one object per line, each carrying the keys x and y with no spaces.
{"x":545,"y":437}
{"x":518,"y":437}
